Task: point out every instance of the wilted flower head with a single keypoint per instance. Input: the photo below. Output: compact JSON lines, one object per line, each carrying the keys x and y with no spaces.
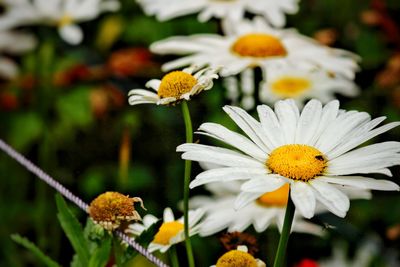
{"x":111,"y":209}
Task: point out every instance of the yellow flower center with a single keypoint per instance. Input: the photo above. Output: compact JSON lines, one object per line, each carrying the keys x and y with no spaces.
{"x":297,"y":162}
{"x":65,"y":20}
{"x":288,"y":86}
{"x":277,"y":198}
{"x":167,"y":231}
{"x":259,"y":45}
{"x":236,"y":258}
{"x":175,"y":84}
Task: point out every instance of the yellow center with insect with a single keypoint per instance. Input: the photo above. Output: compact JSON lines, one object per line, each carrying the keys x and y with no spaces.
{"x":258,"y":45}
{"x":236,"y":258}
{"x":288,"y":86}
{"x":277,"y":198}
{"x":175,"y":84}
{"x":297,"y":162}
{"x":167,"y":231}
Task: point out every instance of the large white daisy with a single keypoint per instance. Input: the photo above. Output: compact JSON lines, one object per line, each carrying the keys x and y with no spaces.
{"x":273,"y":10}
{"x":302,"y":85}
{"x":310,"y":150}
{"x":251,"y":43}
{"x":15,"y":43}
{"x":175,"y":86}
{"x":171,"y":231}
{"x":64,"y":14}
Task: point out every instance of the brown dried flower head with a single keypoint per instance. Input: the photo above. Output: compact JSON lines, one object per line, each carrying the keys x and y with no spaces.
{"x":111,"y":209}
{"x":232,"y":240}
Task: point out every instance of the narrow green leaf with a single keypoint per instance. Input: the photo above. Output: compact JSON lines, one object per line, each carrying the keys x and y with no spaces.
{"x":101,"y":254}
{"x":35,"y":250}
{"x":73,"y":230}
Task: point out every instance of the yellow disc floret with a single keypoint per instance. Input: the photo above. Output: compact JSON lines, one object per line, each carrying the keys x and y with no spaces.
{"x":175,"y":84}
{"x":167,"y":231}
{"x":236,"y":258}
{"x":276,"y":198}
{"x":65,"y":20}
{"x":297,"y":162}
{"x":259,"y":45}
{"x":288,"y":86}
{"x":110,"y":209}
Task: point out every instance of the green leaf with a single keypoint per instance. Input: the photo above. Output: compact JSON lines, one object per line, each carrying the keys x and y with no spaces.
{"x":73,"y":230}
{"x":35,"y":250}
{"x":101,"y":254}
{"x":25,"y":128}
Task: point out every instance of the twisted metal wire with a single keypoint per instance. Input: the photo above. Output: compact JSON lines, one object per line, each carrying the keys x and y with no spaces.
{"x":70,"y":196}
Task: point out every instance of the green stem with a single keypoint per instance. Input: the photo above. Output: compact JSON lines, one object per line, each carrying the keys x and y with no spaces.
{"x":173,"y":255}
{"x":188,"y":166}
{"x":287,"y":225}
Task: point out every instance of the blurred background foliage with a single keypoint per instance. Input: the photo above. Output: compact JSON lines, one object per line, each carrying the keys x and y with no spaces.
{"x":68,"y":112}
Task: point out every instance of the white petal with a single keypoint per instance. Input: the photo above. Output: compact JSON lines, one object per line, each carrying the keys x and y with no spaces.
{"x":71,"y":33}
{"x":334,"y":200}
{"x":288,"y":115}
{"x":308,"y":122}
{"x":271,"y":125}
{"x":244,"y":198}
{"x":264,"y":184}
{"x":168,"y":215}
{"x":153,"y":84}
{"x":361,"y":182}
{"x":303,"y":198}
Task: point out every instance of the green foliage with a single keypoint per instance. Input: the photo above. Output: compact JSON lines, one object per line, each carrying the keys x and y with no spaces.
{"x":101,"y":254}
{"x":35,"y":250}
{"x":24,"y":129}
{"x":73,"y":230}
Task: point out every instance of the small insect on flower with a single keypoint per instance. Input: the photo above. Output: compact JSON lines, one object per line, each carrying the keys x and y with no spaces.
{"x":111,"y":209}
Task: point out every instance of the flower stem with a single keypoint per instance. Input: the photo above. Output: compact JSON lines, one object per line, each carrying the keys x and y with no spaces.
{"x":188,"y":166}
{"x":173,"y":257}
{"x":287,"y":225}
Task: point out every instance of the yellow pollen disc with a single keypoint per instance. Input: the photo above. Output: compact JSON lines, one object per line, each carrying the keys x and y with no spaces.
{"x":236,"y":258}
{"x":277,"y":198}
{"x":175,"y":84}
{"x":65,"y":20}
{"x":297,"y":162}
{"x":259,"y":45}
{"x":167,"y":231}
{"x":290,"y":86}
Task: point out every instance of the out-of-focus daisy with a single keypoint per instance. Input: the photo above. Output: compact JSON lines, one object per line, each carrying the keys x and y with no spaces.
{"x":273,"y":10}
{"x":175,"y":86}
{"x":239,"y":257}
{"x":252,"y":43}
{"x":12,"y":42}
{"x":269,"y":209}
{"x":64,"y":14}
{"x":311,"y":151}
{"x":171,"y":231}
{"x":302,"y":85}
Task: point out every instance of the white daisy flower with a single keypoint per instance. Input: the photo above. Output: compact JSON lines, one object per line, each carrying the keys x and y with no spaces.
{"x":267,"y":210}
{"x":175,"y":86}
{"x":301,"y":85}
{"x":239,"y":257}
{"x":273,"y":10}
{"x":310,"y":150}
{"x":12,"y":42}
{"x":252,"y":43}
{"x":64,"y":14}
{"x":171,"y":231}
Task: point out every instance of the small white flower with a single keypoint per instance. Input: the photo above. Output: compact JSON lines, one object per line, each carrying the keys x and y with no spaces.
{"x":171,"y":231}
{"x":64,"y":14}
{"x":302,"y":85}
{"x":175,"y":86}
{"x":311,"y":150}
{"x":252,"y":43}
{"x":239,"y":257}
{"x":15,"y":43}
{"x":273,"y":10}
